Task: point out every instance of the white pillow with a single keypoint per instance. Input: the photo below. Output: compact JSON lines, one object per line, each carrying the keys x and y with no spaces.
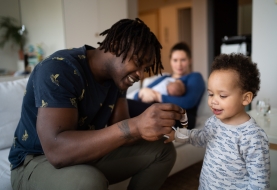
{"x":5,"y":171}
{"x":11,"y":96}
{"x":203,"y":108}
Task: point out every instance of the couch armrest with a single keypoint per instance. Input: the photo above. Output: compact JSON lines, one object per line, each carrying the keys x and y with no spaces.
{"x":11,"y":96}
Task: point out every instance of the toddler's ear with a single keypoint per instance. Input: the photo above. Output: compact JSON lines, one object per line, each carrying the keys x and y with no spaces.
{"x":247,"y":98}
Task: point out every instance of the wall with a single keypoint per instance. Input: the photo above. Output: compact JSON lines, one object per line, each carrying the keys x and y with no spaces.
{"x":9,"y":55}
{"x":44,"y":21}
{"x":264,"y":46}
{"x":147,"y":5}
{"x":132,"y":9}
{"x":90,"y":18}
{"x":47,"y":25}
{"x":168,"y":30}
{"x":168,"y":27}
{"x":200,"y":37}
{"x":245,"y":19}
{"x":77,"y":30}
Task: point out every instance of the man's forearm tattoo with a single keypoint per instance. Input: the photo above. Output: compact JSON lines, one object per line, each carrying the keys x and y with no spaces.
{"x":124,"y":127}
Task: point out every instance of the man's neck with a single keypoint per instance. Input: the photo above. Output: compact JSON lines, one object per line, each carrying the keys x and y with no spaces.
{"x":97,"y":61}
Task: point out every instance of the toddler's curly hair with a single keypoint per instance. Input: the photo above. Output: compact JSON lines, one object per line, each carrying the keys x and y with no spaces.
{"x":248,"y":72}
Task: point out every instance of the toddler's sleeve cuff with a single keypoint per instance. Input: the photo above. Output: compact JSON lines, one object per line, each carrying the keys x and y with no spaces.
{"x":182,"y":135}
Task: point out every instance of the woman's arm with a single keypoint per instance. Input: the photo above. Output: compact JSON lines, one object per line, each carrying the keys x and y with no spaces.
{"x":147,"y":95}
{"x":155,"y":82}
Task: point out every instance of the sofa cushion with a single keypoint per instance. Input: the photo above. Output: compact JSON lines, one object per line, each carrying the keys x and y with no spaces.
{"x":5,"y":173}
{"x":11,"y":95}
{"x":203,"y":108}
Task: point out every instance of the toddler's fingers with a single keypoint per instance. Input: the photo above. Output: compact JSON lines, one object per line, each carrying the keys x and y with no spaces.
{"x":167,"y":141}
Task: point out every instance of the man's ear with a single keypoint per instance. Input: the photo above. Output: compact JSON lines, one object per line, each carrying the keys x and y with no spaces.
{"x":247,"y":98}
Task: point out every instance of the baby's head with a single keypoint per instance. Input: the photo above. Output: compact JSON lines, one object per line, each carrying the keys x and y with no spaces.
{"x":176,"y":88}
{"x":233,"y":83}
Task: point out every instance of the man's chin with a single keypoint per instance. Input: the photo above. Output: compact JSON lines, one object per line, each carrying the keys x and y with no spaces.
{"x":123,"y":87}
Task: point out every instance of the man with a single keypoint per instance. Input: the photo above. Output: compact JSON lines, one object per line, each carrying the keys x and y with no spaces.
{"x":74,"y":131}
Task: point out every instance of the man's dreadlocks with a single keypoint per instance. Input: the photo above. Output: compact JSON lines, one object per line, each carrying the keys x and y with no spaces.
{"x":127,"y":33}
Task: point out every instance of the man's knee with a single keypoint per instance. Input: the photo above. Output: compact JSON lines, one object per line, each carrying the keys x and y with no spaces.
{"x":169,"y":152}
{"x":164,"y":151}
{"x":87,"y":177}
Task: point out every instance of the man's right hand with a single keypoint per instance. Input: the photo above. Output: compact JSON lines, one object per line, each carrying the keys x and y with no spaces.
{"x":157,"y":120}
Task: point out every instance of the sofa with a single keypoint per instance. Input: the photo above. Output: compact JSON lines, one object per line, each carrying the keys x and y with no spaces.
{"x":11,"y":93}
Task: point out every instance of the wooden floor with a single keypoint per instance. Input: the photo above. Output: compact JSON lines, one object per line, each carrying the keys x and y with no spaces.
{"x":187,"y":179}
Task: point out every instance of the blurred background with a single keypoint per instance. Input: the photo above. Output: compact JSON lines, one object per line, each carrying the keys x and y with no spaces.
{"x":57,"y":24}
{"x":210,"y":27}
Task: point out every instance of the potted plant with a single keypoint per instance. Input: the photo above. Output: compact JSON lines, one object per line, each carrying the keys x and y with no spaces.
{"x":16,"y":34}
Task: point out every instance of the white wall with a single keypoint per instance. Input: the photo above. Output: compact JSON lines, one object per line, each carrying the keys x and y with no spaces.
{"x":47,"y":25}
{"x":264,"y":47}
{"x":44,"y":21}
{"x":9,"y":55}
{"x":111,"y":12}
{"x":86,"y":19}
{"x":200,"y":37}
{"x":77,"y":30}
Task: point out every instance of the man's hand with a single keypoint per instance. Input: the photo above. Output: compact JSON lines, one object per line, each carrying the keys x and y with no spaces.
{"x":157,"y":120}
{"x":171,"y":137}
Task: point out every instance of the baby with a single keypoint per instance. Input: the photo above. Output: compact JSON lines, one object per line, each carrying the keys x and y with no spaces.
{"x":237,"y":149}
{"x":176,"y":88}
{"x":170,"y":86}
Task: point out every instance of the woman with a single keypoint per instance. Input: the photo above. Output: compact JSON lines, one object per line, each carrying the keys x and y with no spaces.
{"x":180,"y":61}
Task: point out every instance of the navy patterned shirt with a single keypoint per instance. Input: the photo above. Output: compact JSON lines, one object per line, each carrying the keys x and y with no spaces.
{"x":62,"y":80}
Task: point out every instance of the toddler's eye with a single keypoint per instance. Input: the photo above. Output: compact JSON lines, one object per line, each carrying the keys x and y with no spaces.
{"x":223,"y":96}
{"x":210,"y":94}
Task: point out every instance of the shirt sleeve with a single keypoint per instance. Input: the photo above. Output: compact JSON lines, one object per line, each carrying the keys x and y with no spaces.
{"x":196,"y":137}
{"x":195,"y":87}
{"x":57,"y":84}
{"x":257,"y":159}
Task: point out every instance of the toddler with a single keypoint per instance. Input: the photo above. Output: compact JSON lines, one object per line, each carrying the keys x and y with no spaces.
{"x":237,"y":149}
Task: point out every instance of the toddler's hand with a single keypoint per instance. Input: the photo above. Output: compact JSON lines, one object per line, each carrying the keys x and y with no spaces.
{"x":171,"y":137}
{"x":182,"y":135}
